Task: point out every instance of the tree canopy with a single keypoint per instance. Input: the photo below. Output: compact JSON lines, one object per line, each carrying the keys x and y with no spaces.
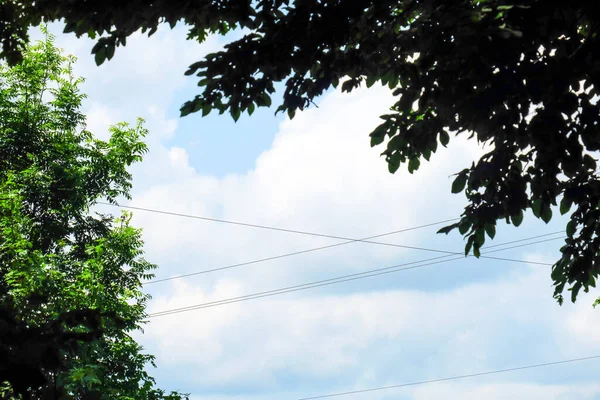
{"x":70,"y":279}
{"x":520,"y":76}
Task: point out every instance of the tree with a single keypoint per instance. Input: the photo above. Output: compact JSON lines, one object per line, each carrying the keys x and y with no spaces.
{"x":520,"y":76}
{"x":70,"y":279}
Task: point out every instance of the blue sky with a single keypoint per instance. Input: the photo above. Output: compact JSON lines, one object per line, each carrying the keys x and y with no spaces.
{"x":317,"y":173}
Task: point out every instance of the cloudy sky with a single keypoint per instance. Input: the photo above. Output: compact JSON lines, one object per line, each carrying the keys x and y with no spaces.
{"x":318,"y":174}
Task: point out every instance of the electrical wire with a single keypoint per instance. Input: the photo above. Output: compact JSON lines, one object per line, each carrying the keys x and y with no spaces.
{"x":344,"y":278}
{"x":272,"y":228}
{"x":451,"y":378}
{"x":296,"y":253}
{"x":326,"y":247}
{"x":345,"y":239}
{"x":267,"y":227}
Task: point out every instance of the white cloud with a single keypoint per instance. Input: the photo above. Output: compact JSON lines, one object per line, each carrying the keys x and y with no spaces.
{"x":584,"y":325}
{"x":149,"y":70}
{"x":357,"y":337}
{"x":450,"y":391}
{"x":319,"y":175}
{"x":507,"y":391}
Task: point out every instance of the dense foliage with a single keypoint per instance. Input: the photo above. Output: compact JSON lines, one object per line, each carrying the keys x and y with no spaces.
{"x":521,"y":76}
{"x":70,"y":279}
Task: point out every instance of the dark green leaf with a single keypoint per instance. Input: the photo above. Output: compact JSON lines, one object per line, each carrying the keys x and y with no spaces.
{"x":565,"y":205}
{"x":444,"y":138}
{"x":235,"y":114}
{"x":459,"y":183}
{"x":479,"y":238}
{"x":378,"y":135}
{"x":448,"y":228}
{"x":575,"y":290}
{"x":464,"y":226}
{"x":571,"y":228}
{"x":426,"y":154}
{"x":517,"y":219}
{"x":371,"y":81}
{"x":490,"y":230}
{"x":469,"y":244}
{"x":413,"y":165}
{"x":546,"y":214}
{"x":394,"y":163}
{"x":100,"y":56}
{"x":536,"y":207}
{"x":110,"y":51}
{"x":589,"y":162}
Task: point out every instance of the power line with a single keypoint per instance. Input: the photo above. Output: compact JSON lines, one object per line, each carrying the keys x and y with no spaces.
{"x":250,"y":225}
{"x":296,"y":252}
{"x":322,"y":248}
{"x":340,"y":279}
{"x":299,"y":232}
{"x":345,"y":239}
{"x":451,"y":378}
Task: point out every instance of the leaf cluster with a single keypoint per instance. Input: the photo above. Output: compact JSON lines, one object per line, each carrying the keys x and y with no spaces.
{"x":70,"y":279}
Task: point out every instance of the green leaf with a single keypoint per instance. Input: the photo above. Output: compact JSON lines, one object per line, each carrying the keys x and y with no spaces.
{"x":378,"y":135}
{"x":376,"y":140}
{"x":194,"y":67}
{"x":469,"y":244}
{"x":394,"y":163}
{"x":448,"y":228}
{"x":413,"y":164}
{"x":558,"y":269}
{"x":197,"y":106}
{"x":267,"y":99}
{"x":490,"y":230}
{"x":589,"y":162}
{"x":565,"y":205}
{"x":186,"y":109}
{"x":464,"y":226}
{"x":546,"y":214}
{"x":70,"y":27}
{"x":517,"y":219}
{"x":444,"y":138}
{"x":264,"y":100}
{"x":479,"y":238}
{"x":251,"y":108}
{"x":575,"y":290}
{"x":110,"y":51}
{"x":235,"y":113}
{"x":371,"y":80}
{"x":206,"y":109}
{"x":459,"y":183}
{"x":100,"y":56}
{"x":427,"y":154}
{"x":571,"y":228}
{"x":348,"y":85}
{"x":536,"y":207}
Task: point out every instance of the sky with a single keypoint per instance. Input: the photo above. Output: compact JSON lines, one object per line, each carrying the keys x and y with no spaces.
{"x":318,"y":174}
